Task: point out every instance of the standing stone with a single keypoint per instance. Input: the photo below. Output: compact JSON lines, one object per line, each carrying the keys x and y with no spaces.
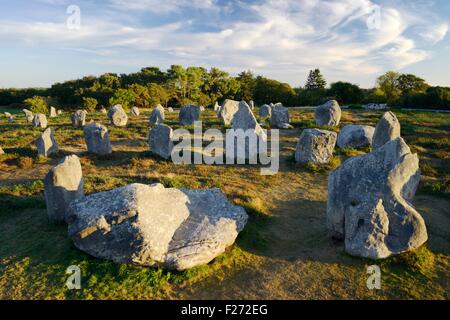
{"x":103,"y":110}
{"x":189,"y":114}
{"x":252,"y":105}
{"x":160,"y":141}
{"x":135,"y":111}
{"x":216,"y":107}
{"x":369,"y":202}
{"x":265,"y":111}
{"x":1,"y":151}
{"x":153,"y":225}
{"x":280,"y":116}
{"x":28,"y":115}
{"x":245,"y":120}
{"x":96,"y":137}
{"x":227,"y":111}
{"x":46,"y":143}
{"x":328,"y":114}
{"x":117,"y":116}
{"x":315,"y":146}
{"x":170,"y":109}
{"x":355,"y":136}
{"x":11,"y":119}
{"x":78,"y":118}
{"x":39,"y":120}
{"x":202,"y":108}
{"x":157,"y":116}
{"x":59,"y":112}
{"x":63,"y":184}
{"x":7,"y":114}
{"x":388,"y":128}
{"x":53,"y":112}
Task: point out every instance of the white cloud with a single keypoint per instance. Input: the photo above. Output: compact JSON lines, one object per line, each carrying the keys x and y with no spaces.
{"x":435,"y":33}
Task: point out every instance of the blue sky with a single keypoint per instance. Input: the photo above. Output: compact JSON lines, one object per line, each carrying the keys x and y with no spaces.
{"x":350,"y":40}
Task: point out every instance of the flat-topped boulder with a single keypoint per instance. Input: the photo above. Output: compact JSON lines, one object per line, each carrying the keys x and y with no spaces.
{"x":370,"y":202}
{"x":189,"y":114}
{"x":97,"y":140}
{"x":78,"y":118}
{"x":328,"y":114}
{"x":46,"y":143}
{"x":265,"y":111}
{"x":157,"y":115}
{"x":279,"y":117}
{"x":117,"y":116}
{"x":315,"y":146}
{"x":227,"y":111}
{"x":160,"y":141}
{"x":62,"y":185}
{"x":387,"y":129}
{"x":355,"y":136}
{"x":39,"y":121}
{"x":152,"y":225}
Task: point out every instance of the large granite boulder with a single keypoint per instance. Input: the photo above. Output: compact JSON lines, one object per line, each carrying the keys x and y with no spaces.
{"x":157,"y":115}
{"x":265,"y":111}
{"x":280,"y":116}
{"x":388,"y":128}
{"x":63,"y":184}
{"x":28,"y":115}
{"x":39,"y":121}
{"x":96,"y":137}
{"x":46,"y":143}
{"x":315,"y":146}
{"x":117,"y":116}
{"x":53,"y":112}
{"x":160,"y":141}
{"x":227,"y":111}
{"x":153,"y":225}
{"x":355,"y":136}
{"x":189,"y":114}
{"x":78,"y":118}
{"x":369,"y":202}
{"x":328,"y":114}
{"x":135,"y":111}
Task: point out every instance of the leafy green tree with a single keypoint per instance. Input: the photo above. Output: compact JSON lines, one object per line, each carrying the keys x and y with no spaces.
{"x":142,"y":96}
{"x":157,"y":95}
{"x":268,"y":90}
{"x":345,"y":92}
{"x":411,"y":84}
{"x":315,"y":80}
{"x":89,"y":104}
{"x":388,"y":87}
{"x":219,"y":85}
{"x":37,"y":104}
{"x":124,"y":97}
{"x":247,"y":83}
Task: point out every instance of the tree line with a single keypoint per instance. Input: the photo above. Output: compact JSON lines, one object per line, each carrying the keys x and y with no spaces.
{"x":179,"y":86}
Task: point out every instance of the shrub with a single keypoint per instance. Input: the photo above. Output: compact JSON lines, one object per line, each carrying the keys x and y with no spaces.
{"x":89,"y":104}
{"x":37,"y":104}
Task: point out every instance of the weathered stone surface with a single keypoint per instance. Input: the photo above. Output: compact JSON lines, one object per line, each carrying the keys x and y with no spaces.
{"x":153,"y":225}
{"x":103,"y":110}
{"x":117,"y":116}
{"x":189,"y":114}
{"x":388,"y":128}
{"x":96,"y":137}
{"x":135,"y":111}
{"x":355,"y":136}
{"x":160,"y":141}
{"x":315,"y":146}
{"x":265,"y":111}
{"x":369,"y":202}
{"x":28,"y":115}
{"x":170,"y":109}
{"x":227,"y":111}
{"x":157,"y":116}
{"x":376,"y":106}
{"x":63,"y":184}
{"x":252,"y":105}
{"x":39,"y":120}
{"x":78,"y":118}
{"x":279,"y":116}
{"x":46,"y":143}
{"x":328,"y":114}
{"x":245,"y":120}
{"x":53,"y":112}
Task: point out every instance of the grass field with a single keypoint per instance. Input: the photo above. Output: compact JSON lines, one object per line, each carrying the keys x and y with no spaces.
{"x":283,"y":253}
